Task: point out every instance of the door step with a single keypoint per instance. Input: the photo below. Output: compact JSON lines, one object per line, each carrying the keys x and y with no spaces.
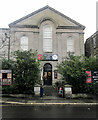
{"x":49,"y":91}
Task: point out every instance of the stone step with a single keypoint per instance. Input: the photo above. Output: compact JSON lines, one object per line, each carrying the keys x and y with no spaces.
{"x":49,"y":91}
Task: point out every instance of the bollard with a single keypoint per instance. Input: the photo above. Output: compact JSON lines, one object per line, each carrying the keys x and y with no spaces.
{"x":41,"y":91}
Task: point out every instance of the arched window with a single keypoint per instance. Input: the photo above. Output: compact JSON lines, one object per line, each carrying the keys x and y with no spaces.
{"x":70,"y":44}
{"x":24,"y":43}
{"x":47,"y":38}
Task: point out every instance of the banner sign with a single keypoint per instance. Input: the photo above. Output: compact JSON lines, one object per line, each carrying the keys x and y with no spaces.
{"x":89,"y":77}
{"x":48,"y":57}
{"x":92,"y":76}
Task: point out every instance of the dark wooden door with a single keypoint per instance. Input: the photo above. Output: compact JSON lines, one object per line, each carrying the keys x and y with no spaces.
{"x":47,"y":74}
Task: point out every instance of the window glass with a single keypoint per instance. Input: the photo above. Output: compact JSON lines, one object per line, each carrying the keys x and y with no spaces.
{"x":4,"y":75}
{"x":94,"y":42}
{"x":47,"y":38}
{"x":24,"y":43}
{"x":70,"y":44}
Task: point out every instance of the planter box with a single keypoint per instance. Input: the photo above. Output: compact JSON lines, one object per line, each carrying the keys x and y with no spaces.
{"x":68,"y":91}
{"x":37,"y":90}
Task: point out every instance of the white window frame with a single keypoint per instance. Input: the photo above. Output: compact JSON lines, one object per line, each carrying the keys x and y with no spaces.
{"x":94,"y":42}
{"x":24,"y":43}
{"x":70,"y":44}
{"x":47,"y":38}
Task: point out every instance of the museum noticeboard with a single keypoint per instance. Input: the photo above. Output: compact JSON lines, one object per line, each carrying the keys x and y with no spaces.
{"x":92,"y":76}
{"x":5,"y":77}
{"x":88,"y":77}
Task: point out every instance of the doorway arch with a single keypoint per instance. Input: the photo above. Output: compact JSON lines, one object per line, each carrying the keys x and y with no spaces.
{"x":47,"y":73}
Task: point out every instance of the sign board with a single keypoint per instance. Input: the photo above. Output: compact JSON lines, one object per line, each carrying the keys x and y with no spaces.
{"x":89,"y":77}
{"x":5,"y":77}
{"x":55,"y":57}
{"x":36,"y":89}
{"x":68,"y":89}
{"x":88,"y":80}
{"x":5,"y":71}
{"x":40,"y":56}
{"x":92,"y":76}
{"x":95,"y":76}
{"x":48,"y":57}
{"x":55,"y":74}
{"x":89,"y":73}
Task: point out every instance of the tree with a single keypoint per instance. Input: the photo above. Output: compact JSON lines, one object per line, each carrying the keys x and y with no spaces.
{"x":7,"y":64}
{"x":26,"y":70}
{"x":73,"y":70}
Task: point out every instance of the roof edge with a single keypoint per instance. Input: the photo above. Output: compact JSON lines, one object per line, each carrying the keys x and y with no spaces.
{"x":93,"y":35}
{"x":29,"y":15}
{"x":4,"y":29}
{"x":43,"y":8}
{"x":67,"y":17}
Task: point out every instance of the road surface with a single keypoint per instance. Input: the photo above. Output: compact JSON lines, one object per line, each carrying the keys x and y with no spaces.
{"x":49,"y":111}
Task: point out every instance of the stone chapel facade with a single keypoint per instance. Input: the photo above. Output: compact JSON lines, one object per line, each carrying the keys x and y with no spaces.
{"x":51,"y":33}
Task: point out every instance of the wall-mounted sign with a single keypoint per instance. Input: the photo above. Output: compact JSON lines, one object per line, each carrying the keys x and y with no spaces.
{"x":95,"y":76}
{"x":40,"y":56}
{"x":88,"y":80}
{"x":92,"y":76}
{"x":68,"y":89}
{"x":55,"y":57}
{"x":55,"y":74}
{"x":5,"y":77}
{"x":36,"y":89}
{"x":48,"y":57}
{"x":89,"y":77}
{"x":5,"y":71}
{"x":89,"y":73}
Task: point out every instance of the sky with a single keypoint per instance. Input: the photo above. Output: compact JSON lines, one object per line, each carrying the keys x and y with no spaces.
{"x":82,"y":11}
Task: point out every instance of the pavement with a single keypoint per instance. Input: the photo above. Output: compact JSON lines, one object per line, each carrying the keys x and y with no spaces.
{"x":45,"y":100}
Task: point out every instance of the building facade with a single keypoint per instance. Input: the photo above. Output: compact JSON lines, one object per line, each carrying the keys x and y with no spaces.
{"x":52,"y":34}
{"x":91,"y":45}
{"x":4,"y":41}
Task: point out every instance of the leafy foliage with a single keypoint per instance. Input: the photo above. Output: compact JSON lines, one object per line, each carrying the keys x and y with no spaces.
{"x":73,"y":70}
{"x":7,"y":64}
{"x":25,"y":71}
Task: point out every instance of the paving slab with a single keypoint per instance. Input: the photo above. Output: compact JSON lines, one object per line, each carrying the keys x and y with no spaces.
{"x":47,"y":100}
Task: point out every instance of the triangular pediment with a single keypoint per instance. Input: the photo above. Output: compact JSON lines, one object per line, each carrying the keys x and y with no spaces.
{"x":46,"y":13}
